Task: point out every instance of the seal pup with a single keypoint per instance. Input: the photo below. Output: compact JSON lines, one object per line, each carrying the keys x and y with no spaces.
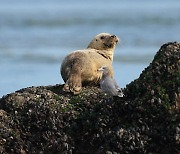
{"x":81,"y":66}
{"x":108,"y":84}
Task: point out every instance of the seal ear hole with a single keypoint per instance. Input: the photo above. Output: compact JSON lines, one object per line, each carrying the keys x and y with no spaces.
{"x":96,"y":39}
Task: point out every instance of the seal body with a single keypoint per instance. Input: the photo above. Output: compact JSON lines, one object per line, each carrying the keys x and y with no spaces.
{"x":81,"y":67}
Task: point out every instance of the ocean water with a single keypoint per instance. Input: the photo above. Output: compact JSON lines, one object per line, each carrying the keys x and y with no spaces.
{"x":36,"y":35}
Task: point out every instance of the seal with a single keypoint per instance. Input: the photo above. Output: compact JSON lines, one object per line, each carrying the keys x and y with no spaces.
{"x":80,"y":67}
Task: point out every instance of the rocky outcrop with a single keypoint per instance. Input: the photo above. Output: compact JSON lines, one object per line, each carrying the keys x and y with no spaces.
{"x":47,"y":120}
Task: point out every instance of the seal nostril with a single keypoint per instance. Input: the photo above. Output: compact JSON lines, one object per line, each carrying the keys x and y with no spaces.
{"x":113,"y":36}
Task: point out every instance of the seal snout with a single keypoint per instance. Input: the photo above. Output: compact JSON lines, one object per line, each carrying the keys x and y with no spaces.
{"x":115,"y":38}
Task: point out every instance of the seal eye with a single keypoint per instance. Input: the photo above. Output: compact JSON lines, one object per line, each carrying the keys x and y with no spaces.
{"x":102,"y":37}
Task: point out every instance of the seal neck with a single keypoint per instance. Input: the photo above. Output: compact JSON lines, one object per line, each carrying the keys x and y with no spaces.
{"x":108,"y":54}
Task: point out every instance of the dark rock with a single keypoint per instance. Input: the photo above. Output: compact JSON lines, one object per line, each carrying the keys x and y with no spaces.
{"x":47,"y":120}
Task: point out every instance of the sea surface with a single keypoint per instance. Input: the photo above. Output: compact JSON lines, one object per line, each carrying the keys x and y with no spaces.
{"x":35,"y":36}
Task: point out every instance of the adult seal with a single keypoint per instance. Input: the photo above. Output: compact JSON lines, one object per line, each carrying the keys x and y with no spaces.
{"x":81,"y":67}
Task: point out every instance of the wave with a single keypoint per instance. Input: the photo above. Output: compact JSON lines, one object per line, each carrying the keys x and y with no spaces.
{"x":49,"y":59}
{"x":64,"y":22}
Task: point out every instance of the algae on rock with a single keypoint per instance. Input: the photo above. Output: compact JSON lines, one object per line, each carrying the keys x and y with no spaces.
{"x":47,"y":120}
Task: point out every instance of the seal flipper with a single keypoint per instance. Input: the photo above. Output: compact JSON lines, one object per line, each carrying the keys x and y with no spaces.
{"x":74,"y":83}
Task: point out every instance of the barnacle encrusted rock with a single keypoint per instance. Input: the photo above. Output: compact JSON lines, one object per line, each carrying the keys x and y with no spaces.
{"x":47,"y":120}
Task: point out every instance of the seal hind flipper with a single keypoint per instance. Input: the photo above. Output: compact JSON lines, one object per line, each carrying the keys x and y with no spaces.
{"x":74,"y":83}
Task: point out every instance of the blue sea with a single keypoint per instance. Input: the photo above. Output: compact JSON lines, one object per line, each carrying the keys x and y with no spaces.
{"x":35,"y":36}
